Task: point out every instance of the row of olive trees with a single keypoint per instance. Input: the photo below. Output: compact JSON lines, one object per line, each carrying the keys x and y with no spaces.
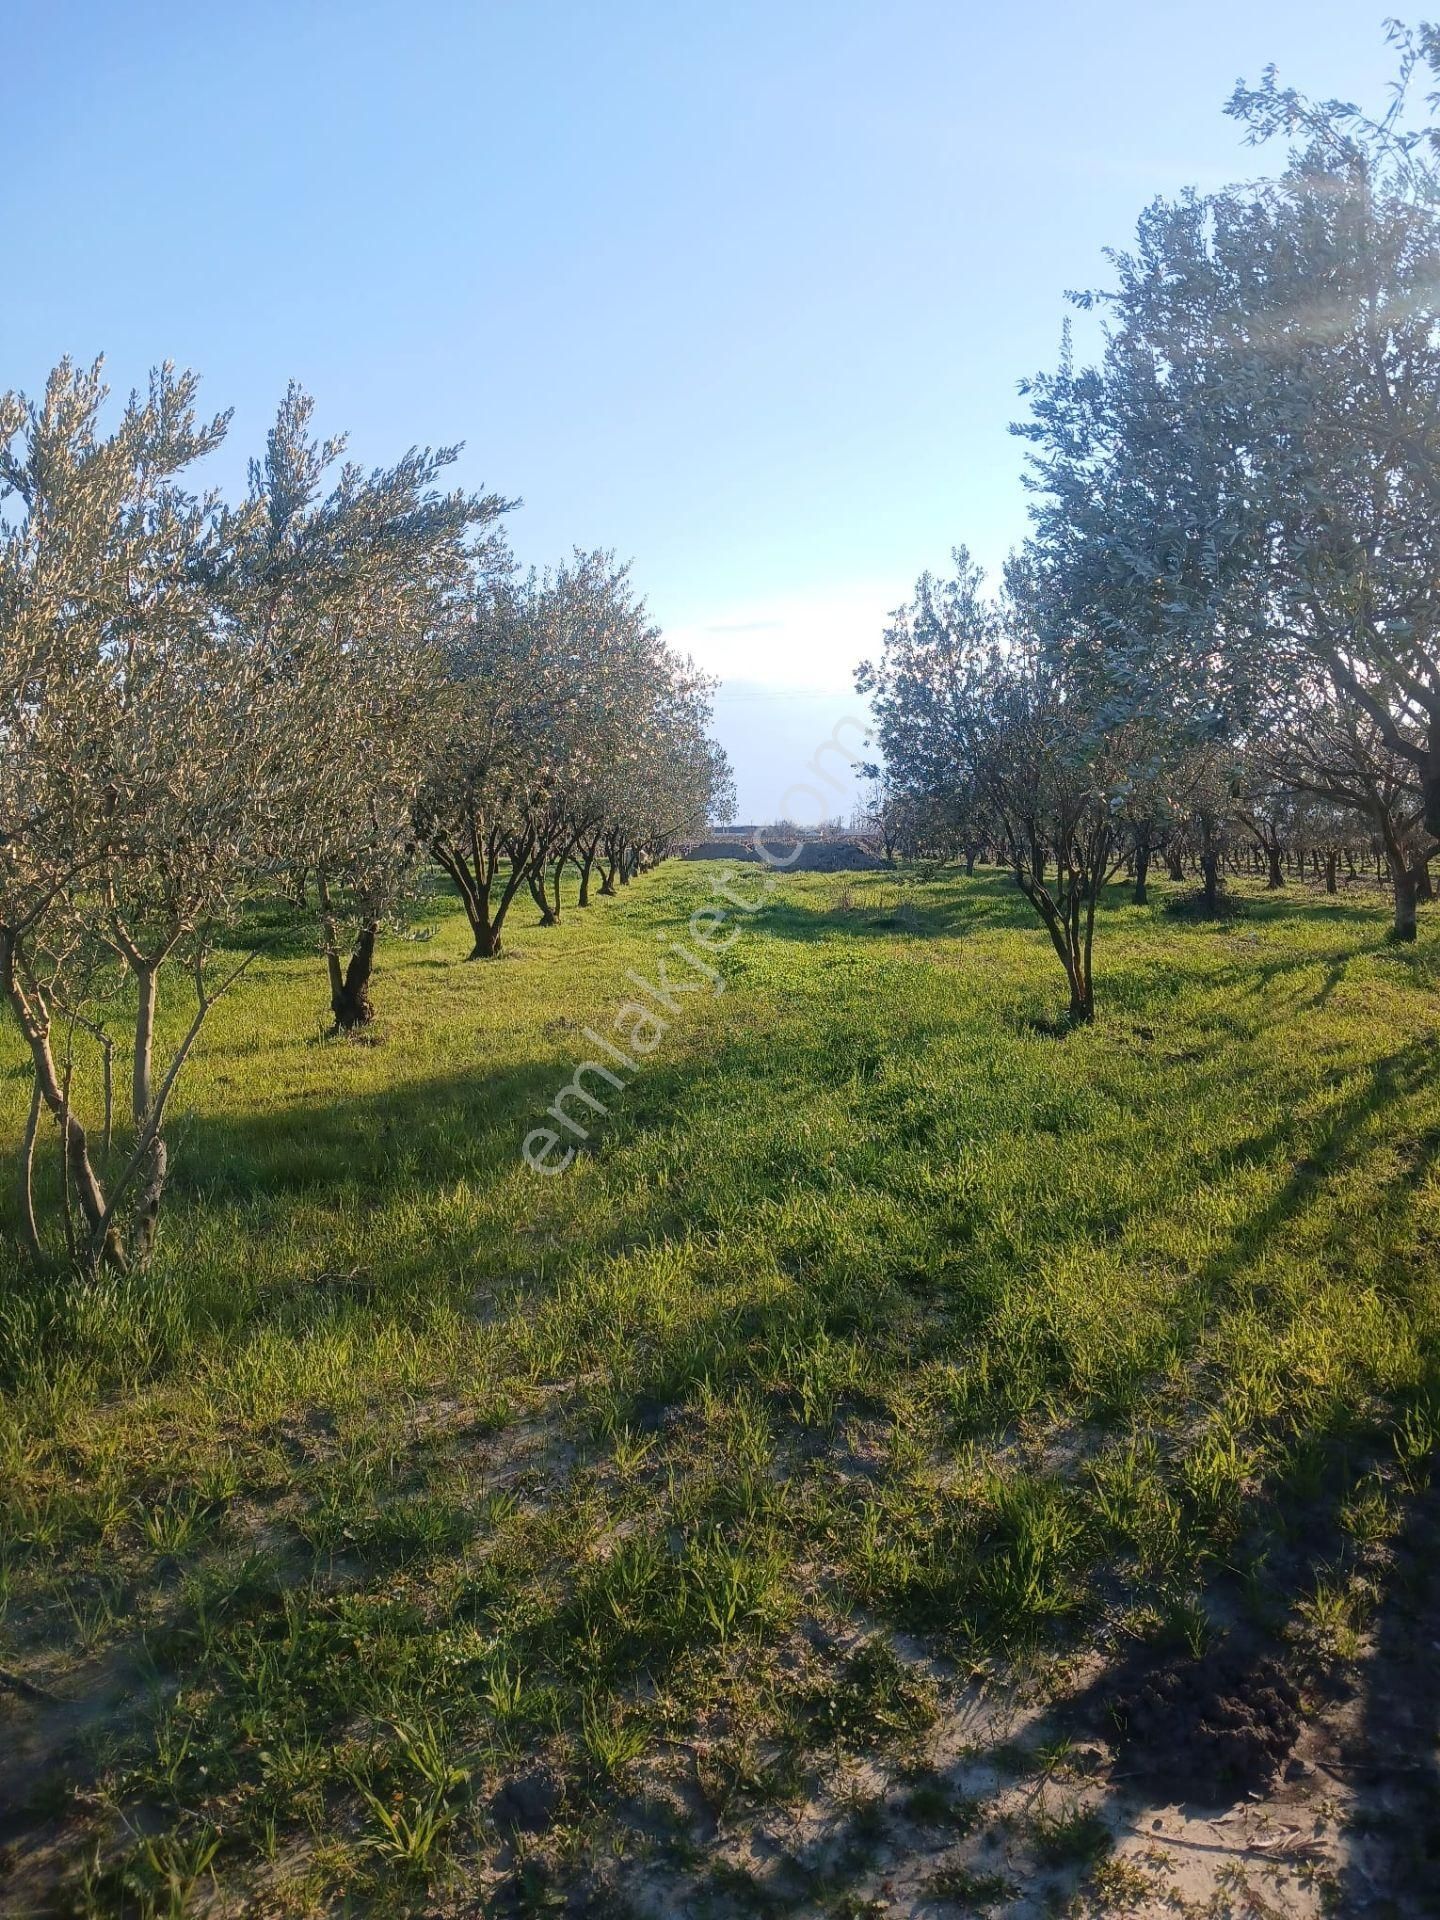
{"x":209,"y":709}
{"x":1225,"y":625}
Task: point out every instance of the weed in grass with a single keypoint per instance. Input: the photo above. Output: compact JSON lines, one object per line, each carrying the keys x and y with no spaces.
{"x":293,"y":1764}
{"x":630,"y":1450}
{"x":1030,"y":1573}
{"x":495,"y":1509}
{"x":817,"y":1374}
{"x":1060,"y":1758}
{"x":872,"y":1697}
{"x":961,"y":1886}
{"x":610,"y":1742}
{"x":428,"y":1753}
{"x":94,"y":1619}
{"x":408,"y":1832}
{"x":173,"y":1525}
{"x":1417,"y":1442}
{"x":1369,"y":1516}
{"x":169,"y":1771}
{"x":1075,"y":1837}
{"x":934,"y":1803}
{"x":1184,"y":1621}
{"x":502,"y":1687}
{"x":160,"y":1873}
{"x":1331,"y":1611}
{"x":1122,"y":1885}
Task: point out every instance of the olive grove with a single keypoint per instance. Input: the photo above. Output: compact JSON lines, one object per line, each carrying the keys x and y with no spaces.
{"x":217,"y":720}
{"x":1221,"y":640}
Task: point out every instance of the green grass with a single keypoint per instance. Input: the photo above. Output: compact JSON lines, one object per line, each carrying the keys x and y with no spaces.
{"x":409,"y":1479}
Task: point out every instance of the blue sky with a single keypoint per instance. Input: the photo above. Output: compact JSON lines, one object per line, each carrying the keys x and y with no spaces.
{"x":740,"y":290}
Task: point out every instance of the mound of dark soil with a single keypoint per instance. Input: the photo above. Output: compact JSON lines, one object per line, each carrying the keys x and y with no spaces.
{"x":1191,"y":906}
{"x":528,"y":1803}
{"x":1206,"y":1730}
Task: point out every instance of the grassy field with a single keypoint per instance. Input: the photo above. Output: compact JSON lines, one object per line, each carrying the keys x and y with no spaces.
{"x":703,"y":1530}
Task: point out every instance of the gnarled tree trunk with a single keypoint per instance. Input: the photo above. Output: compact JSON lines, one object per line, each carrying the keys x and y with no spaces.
{"x":1210,"y":880}
{"x":475,"y":879}
{"x":1405,"y":902}
{"x":535,"y":880}
{"x":587,"y":864}
{"x":350,"y":986}
{"x":34,"y":1020}
{"x":1142,"y":872}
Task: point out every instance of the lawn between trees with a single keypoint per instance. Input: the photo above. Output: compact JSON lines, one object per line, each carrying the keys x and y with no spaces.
{"x":420,"y":1533}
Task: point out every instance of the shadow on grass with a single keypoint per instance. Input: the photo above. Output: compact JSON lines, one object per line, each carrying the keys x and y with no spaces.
{"x":421,"y":1134}
{"x":376,"y":1149}
{"x":1394,"y":1849}
{"x":1338,"y":1145}
{"x":926,"y":902}
{"x":1206,"y":1729}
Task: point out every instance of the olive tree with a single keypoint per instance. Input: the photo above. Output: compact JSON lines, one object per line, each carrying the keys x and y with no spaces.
{"x":486,"y":767}
{"x":965,"y":694}
{"x":1336,"y":754}
{"x":566,"y":731}
{"x":1262,"y":439}
{"x":149,"y":775}
{"x":351,"y":579}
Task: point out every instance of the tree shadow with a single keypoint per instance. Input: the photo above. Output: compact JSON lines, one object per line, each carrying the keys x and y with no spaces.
{"x":1266,"y":1717}
{"x":1393,"y":1859}
{"x":1261,"y":907}
{"x":1205,"y":1729}
{"x":920,"y":904}
{"x":1263,"y":1717}
{"x":423,"y":1133}
{"x":1336,"y":1145}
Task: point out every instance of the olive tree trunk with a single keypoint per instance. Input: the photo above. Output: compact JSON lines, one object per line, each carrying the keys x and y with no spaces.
{"x":350,"y":985}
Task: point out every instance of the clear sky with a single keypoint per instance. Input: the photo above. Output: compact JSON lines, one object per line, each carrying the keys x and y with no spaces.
{"x":741,"y":289}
